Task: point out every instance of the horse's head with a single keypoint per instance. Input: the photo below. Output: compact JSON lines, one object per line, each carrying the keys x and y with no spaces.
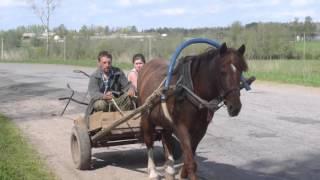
{"x":231,"y":64}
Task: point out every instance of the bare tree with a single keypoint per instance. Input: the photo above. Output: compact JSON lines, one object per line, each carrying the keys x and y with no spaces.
{"x":43,"y":9}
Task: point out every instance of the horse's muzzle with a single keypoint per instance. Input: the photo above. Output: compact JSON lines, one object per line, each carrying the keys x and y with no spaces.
{"x":233,"y":108}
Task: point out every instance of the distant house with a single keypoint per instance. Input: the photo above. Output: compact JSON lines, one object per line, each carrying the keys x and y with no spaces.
{"x":28,"y":36}
{"x":122,"y":36}
{"x":44,"y":35}
{"x":316,"y":37}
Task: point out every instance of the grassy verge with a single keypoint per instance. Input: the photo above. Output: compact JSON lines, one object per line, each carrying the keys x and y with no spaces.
{"x":311,"y":49}
{"x":303,"y":72}
{"x":83,"y":62}
{"x":18,"y":160}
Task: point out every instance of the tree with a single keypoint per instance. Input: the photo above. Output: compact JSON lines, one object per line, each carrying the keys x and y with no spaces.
{"x":106,"y":30}
{"x":84,"y":31}
{"x":61,"y":30}
{"x":309,"y":27}
{"x":297,"y":27}
{"x":12,"y":39}
{"x":37,"y":29}
{"x":99,"y":30}
{"x":235,"y":31}
{"x":43,"y":9}
{"x":133,"y":29}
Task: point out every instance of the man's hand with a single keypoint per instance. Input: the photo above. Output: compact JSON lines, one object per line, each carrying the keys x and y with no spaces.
{"x":107,"y":96}
{"x":131,"y":92}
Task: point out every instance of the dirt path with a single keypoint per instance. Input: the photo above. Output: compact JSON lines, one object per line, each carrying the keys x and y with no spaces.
{"x":276,"y":136}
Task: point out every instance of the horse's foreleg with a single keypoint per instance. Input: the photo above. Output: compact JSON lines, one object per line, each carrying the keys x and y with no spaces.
{"x":169,"y":164}
{"x":148,"y":130}
{"x":153,"y":174}
{"x":189,"y":168}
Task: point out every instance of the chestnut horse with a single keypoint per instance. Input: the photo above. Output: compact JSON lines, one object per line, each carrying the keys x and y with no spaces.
{"x":215,"y":75}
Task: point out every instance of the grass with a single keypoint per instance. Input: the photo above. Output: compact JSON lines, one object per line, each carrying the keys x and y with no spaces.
{"x":311,"y":49}
{"x":310,"y":45}
{"x":18,"y":160}
{"x":303,"y":72}
{"x":83,"y":62}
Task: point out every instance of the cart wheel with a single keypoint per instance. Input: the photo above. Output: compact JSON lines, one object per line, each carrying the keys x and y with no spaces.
{"x":177,"y":151}
{"x":81,"y":148}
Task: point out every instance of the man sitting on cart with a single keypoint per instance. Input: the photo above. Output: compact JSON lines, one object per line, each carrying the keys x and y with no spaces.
{"x":109,"y":85}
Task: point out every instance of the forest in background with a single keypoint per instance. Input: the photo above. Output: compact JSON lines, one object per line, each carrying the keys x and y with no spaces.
{"x":264,"y":40}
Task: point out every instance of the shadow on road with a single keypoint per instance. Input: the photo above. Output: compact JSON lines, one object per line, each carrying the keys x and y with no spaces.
{"x":306,"y":169}
{"x":136,"y":160}
{"x":132,"y":159}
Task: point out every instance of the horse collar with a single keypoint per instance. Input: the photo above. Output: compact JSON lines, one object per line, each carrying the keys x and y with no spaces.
{"x":185,"y":83}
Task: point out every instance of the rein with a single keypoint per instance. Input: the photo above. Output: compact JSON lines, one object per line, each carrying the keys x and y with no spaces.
{"x":212,"y":105}
{"x":224,"y":95}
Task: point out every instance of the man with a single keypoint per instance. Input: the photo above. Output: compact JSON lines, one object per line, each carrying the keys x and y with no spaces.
{"x":108,"y":82}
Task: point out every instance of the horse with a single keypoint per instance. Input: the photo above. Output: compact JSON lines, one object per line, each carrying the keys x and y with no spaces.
{"x":214,"y":75}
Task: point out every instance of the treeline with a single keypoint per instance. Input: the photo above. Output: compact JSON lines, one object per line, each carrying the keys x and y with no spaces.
{"x":263,"y":40}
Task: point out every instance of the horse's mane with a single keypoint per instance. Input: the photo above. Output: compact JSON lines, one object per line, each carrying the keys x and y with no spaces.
{"x":208,"y":55}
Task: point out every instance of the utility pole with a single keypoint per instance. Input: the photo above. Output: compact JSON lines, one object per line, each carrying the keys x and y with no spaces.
{"x":304,"y":45}
{"x":150,"y":46}
{"x":2,"y":55}
{"x":304,"y":56}
{"x":64,"y":48}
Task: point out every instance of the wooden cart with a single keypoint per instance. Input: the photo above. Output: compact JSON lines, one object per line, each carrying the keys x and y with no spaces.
{"x":105,"y":129}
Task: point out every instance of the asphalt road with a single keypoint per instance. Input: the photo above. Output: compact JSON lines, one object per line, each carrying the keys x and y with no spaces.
{"x":275,"y":137}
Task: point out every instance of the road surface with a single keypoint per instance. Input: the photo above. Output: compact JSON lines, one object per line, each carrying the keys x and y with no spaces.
{"x":275,"y":137}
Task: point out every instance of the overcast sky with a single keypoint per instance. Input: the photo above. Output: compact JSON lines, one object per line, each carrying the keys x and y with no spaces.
{"x":146,"y":14}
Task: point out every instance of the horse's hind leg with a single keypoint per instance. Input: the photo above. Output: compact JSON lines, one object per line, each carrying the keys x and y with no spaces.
{"x":148,"y":130}
{"x":167,"y":141}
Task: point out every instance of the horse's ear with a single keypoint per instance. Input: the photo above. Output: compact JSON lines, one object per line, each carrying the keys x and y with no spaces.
{"x":223,"y":48}
{"x":242,"y":49}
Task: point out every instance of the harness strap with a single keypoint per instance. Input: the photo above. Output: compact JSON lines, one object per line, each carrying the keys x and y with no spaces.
{"x":185,"y":82}
{"x":212,"y":105}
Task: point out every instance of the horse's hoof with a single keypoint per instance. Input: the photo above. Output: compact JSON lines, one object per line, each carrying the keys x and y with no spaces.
{"x":169,"y":176}
{"x":170,"y":170}
{"x":153,"y":175}
{"x":155,"y":178}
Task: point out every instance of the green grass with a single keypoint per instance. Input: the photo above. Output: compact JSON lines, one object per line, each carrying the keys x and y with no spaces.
{"x":303,"y":72}
{"x":18,"y":160}
{"x":312,"y":49}
{"x":310,"y":45}
{"x":83,"y":62}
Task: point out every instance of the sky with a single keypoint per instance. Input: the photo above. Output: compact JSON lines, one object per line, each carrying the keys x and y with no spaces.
{"x":145,"y":14}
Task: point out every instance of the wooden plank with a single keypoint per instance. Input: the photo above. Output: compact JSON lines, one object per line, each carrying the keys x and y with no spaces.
{"x":105,"y":119}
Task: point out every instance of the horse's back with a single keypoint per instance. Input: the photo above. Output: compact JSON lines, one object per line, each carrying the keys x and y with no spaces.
{"x":150,"y":77}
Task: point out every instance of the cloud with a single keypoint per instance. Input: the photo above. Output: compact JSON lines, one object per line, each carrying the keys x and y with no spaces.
{"x":172,"y":11}
{"x":11,"y":3}
{"x":298,"y":13}
{"x":301,"y":2}
{"x":165,"y":12}
{"x":209,"y":9}
{"x":95,"y":10}
{"x":138,"y":2}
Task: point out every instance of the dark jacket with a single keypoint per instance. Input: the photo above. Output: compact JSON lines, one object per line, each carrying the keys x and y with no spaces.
{"x":118,"y":83}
